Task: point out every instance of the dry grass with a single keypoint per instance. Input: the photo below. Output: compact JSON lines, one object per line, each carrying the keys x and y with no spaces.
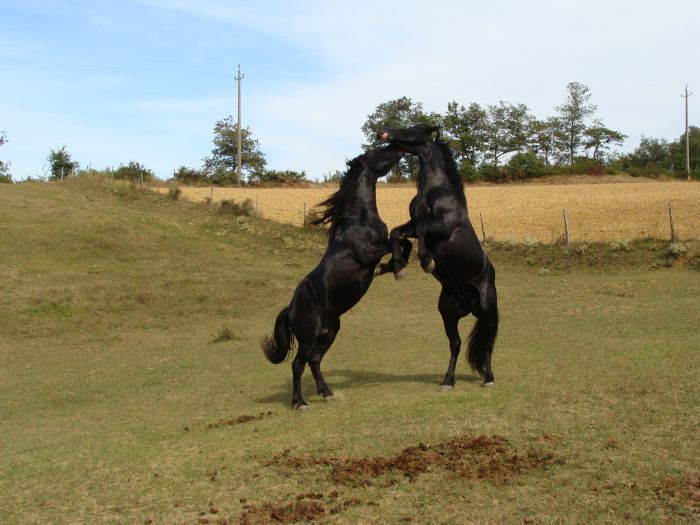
{"x":533,"y":212}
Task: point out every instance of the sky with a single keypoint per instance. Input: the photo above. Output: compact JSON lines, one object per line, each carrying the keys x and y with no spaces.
{"x":147,"y":80}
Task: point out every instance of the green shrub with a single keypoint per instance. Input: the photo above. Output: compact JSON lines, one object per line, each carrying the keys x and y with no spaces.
{"x":231,"y":207}
{"x":525,"y":165}
{"x":491,"y":173}
{"x":677,"y":249}
{"x":282,"y":177}
{"x":134,"y":172}
{"x":586,"y":166}
{"x":174,"y":193}
{"x":468,"y":171}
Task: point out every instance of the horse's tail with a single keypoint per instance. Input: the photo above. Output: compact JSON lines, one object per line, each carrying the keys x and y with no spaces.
{"x":277,"y":347}
{"x":485,"y":330}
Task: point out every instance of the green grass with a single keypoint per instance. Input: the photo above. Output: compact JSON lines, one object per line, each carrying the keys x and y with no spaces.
{"x":110,"y":306}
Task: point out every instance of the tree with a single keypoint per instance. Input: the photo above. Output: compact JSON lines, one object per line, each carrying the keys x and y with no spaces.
{"x":221,"y":167}
{"x":61,"y":164}
{"x":543,"y":136}
{"x":133,"y":172}
{"x":5,"y":176}
{"x":465,"y":132}
{"x":573,"y":115}
{"x":656,"y":156}
{"x":398,"y":113}
{"x":599,"y":138}
{"x":506,"y":129}
{"x":677,"y":150}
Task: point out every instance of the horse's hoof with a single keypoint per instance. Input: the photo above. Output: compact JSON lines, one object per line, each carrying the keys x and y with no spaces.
{"x":301,"y":406}
{"x":403,"y":272}
{"x":445,"y":388}
{"x":431,"y":266}
{"x":489,"y":384}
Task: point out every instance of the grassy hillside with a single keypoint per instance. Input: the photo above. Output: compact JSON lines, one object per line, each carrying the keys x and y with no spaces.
{"x":117,"y":406}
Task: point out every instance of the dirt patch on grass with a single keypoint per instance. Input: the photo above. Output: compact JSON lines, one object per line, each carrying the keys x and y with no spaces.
{"x":238,"y":420}
{"x":306,"y":507}
{"x":481,"y":458}
{"x":301,"y":510}
{"x":485,"y":458}
{"x":683,"y":492}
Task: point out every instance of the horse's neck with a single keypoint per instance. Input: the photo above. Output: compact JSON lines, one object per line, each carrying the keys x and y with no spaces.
{"x":363,"y":196}
{"x":434,"y":170}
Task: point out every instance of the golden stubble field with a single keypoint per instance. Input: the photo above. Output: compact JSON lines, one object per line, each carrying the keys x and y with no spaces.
{"x":532,"y":212}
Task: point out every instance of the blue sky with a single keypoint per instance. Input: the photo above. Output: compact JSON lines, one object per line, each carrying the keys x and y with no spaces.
{"x":146,"y":80}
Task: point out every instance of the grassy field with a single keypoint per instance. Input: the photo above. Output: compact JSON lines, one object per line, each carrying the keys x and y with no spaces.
{"x":117,"y":405}
{"x":520,"y":212}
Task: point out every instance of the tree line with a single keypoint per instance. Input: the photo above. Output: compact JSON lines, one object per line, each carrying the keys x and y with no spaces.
{"x":505,"y":141}
{"x":495,"y":143}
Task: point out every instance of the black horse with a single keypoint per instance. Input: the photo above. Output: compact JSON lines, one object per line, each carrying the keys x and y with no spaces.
{"x":357,"y":240}
{"x":448,"y":248}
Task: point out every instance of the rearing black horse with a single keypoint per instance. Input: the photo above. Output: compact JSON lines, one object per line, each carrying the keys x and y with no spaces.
{"x":357,"y":240}
{"x":448,"y":248}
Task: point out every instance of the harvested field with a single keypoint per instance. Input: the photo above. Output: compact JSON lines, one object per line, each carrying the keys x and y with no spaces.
{"x":533,"y":212}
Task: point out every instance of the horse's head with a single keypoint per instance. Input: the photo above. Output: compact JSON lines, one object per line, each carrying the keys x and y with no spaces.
{"x":410,"y":139}
{"x":380,"y":160}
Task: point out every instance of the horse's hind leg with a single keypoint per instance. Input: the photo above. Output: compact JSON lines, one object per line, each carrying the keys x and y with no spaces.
{"x":485,"y":331}
{"x":298,"y":366}
{"x":452,"y":309}
{"x":323,"y":343}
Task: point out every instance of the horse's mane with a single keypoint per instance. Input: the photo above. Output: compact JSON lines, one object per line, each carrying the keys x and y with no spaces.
{"x":450,"y":165}
{"x":335,"y":205}
{"x":451,"y":170}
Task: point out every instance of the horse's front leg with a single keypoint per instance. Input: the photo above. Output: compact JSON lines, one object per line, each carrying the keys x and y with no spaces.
{"x":427,"y":261}
{"x":400,"y":248}
{"x":436,"y":227}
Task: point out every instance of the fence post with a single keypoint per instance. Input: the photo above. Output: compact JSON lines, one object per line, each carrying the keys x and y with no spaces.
{"x":566,"y":226}
{"x":670,"y":218}
{"x":483,"y":232}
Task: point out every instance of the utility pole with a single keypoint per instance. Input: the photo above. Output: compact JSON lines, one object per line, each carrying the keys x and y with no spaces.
{"x":687,"y":138}
{"x":239,"y":77}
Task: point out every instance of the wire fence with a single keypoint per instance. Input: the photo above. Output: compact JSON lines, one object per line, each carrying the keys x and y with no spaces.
{"x":544,"y":213}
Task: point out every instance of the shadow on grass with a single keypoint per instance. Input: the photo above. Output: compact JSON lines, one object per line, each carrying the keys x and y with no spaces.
{"x":349,"y":379}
